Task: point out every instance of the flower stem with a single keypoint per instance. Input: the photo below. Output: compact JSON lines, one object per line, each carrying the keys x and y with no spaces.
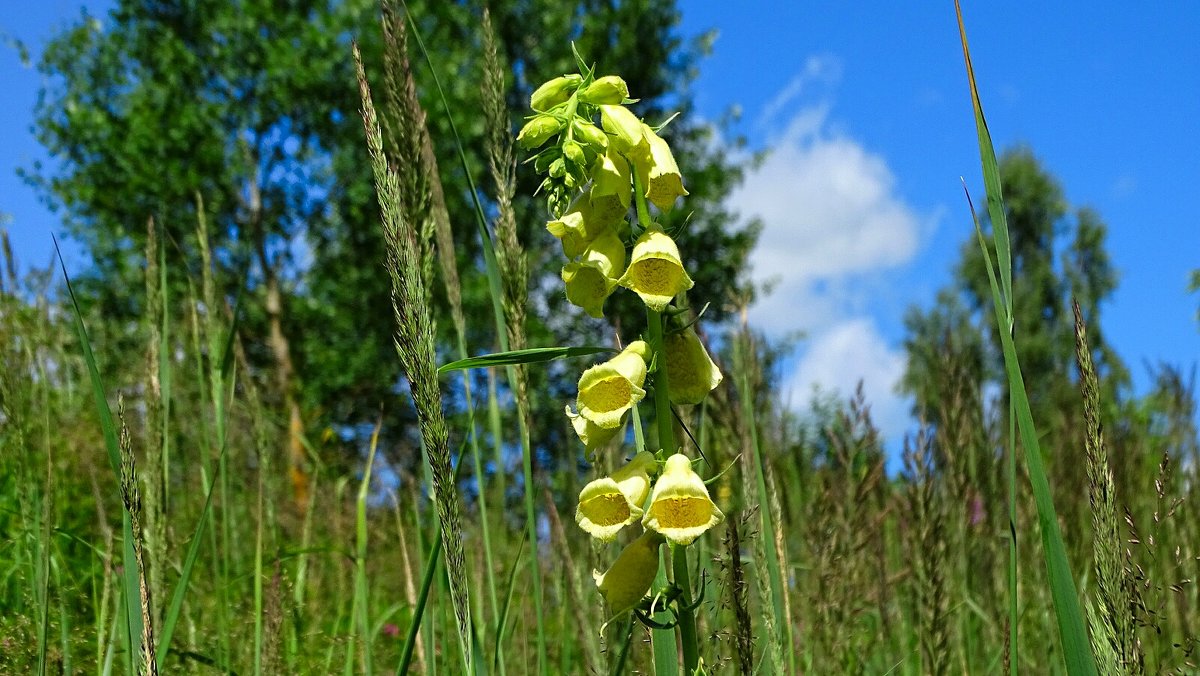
{"x":666,"y":441}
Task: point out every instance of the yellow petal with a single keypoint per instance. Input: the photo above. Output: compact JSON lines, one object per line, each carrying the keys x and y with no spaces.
{"x":656,"y":273}
{"x":592,"y":435}
{"x":580,"y":225}
{"x":691,"y":372}
{"x":592,"y":279}
{"x":680,"y":507}
{"x":608,"y":390}
{"x":612,"y":190}
{"x":626,"y":582}
{"x":608,"y":504}
{"x":658,"y":172}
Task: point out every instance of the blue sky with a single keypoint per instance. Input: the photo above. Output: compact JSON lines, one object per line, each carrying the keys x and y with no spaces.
{"x":865,"y":107}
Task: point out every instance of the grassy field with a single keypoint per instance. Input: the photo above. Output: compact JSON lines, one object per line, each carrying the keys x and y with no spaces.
{"x":153,"y":521}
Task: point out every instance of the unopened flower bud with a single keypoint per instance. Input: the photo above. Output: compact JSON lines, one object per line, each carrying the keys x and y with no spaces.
{"x":609,"y":89}
{"x":691,"y":373}
{"x":624,"y":129}
{"x":630,"y":576}
{"x":554,"y":92}
{"x":590,"y":134}
{"x":574,"y":152}
{"x":538,"y":130}
{"x":558,"y":168}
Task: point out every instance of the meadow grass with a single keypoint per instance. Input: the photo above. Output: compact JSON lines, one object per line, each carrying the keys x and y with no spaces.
{"x":824,"y":563}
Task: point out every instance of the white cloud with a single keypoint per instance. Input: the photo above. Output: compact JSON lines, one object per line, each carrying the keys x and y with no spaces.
{"x":847,"y":353}
{"x":833,"y":223}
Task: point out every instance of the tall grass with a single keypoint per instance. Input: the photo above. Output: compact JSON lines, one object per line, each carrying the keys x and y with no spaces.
{"x":825,"y":563}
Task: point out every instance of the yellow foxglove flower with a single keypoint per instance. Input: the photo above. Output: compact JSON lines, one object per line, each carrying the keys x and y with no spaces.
{"x":680,"y":508}
{"x":624,"y":130}
{"x":554,"y":92}
{"x":658,"y":173}
{"x":630,"y":576}
{"x":607,"y":89}
{"x":655,"y":272}
{"x":691,"y":373}
{"x":582,"y":224}
{"x":609,"y":504}
{"x":612,"y":190}
{"x":538,"y":130}
{"x":608,"y":390}
{"x":592,"y":435}
{"x":592,"y":279}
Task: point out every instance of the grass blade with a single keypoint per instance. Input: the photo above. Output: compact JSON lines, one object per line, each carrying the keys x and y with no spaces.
{"x":1077,"y":650}
{"x":129,"y":578}
{"x":533,"y":355}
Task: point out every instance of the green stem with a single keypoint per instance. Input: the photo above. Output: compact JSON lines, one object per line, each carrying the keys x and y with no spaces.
{"x":666,"y":441}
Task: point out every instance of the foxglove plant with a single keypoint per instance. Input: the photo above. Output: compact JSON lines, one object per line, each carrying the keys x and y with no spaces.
{"x":600,"y":161}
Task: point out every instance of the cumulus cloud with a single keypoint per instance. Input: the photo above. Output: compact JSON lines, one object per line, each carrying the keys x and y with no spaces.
{"x":850,"y":352}
{"x":833,"y":224}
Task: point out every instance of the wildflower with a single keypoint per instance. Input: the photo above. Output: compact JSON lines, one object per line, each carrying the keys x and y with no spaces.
{"x":539,"y":130}
{"x":608,"y":390}
{"x":554,"y":92}
{"x":609,"y":89}
{"x":592,"y":435}
{"x":592,"y":279}
{"x":691,"y":373}
{"x":680,"y":508}
{"x":657,"y":171}
{"x":656,"y":273}
{"x":611,"y":189}
{"x":630,"y":576}
{"x":609,"y":504}
{"x":624,"y":130}
{"x":578,"y":227}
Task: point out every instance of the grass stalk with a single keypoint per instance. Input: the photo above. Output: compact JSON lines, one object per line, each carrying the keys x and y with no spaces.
{"x":414,"y":344}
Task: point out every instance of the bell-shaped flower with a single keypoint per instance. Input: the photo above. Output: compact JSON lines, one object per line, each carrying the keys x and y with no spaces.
{"x":592,"y":279}
{"x":554,"y":92}
{"x":609,"y":89}
{"x":581,"y":224}
{"x":612,"y":190}
{"x":609,"y":504}
{"x":655,"y":272}
{"x":680,"y":507}
{"x":538,"y":130}
{"x":691,"y":373}
{"x":592,"y":435}
{"x":657,"y":171}
{"x":630,"y":576}
{"x":608,"y":390}
{"x":624,"y":130}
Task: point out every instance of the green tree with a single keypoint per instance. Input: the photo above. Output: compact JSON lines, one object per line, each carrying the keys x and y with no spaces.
{"x":1056,"y":254}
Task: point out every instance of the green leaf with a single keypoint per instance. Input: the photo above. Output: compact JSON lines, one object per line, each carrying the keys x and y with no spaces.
{"x":533,"y":355}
